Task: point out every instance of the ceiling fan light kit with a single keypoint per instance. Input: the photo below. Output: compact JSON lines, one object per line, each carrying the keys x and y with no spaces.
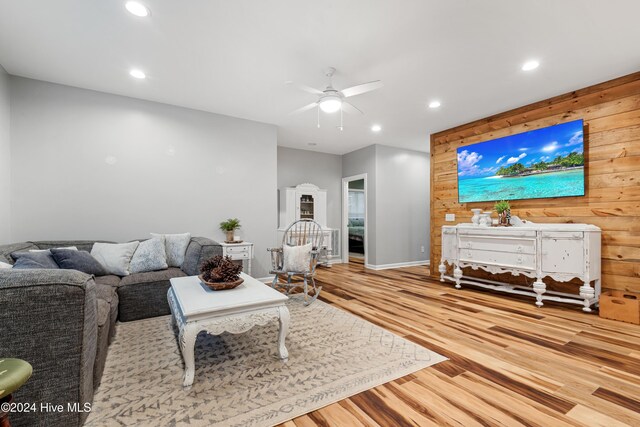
{"x":331,"y":100}
{"x":330,"y":103}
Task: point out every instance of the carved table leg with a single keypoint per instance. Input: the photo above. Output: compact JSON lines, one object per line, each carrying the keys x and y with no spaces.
{"x":188,"y":336}
{"x":588,"y":293}
{"x":442,"y":269}
{"x":457,"y":273}
{"x":283,"y":319}
{"x":539,"y":288}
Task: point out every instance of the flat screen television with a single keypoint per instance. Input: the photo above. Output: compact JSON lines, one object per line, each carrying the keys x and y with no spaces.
{"x":538,"y":164}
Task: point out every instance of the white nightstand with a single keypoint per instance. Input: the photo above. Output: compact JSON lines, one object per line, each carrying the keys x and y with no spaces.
{"x":239,"y":251}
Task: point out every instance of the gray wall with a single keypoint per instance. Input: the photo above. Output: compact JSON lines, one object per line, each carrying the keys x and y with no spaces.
{"x":359,"y":162}
{"x":397,"y":202}
{"x":402,"y":210}
{"x":5,"y":159}
{"x":97,"y":166}
{"x":324,"y":170}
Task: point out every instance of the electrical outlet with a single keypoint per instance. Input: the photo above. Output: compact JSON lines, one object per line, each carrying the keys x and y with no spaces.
{"x":422,"y":249}
{"x":450,"y":217}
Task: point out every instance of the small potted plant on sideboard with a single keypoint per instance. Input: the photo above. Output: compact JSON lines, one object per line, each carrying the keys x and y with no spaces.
{"x":229,"y":226}
{"x":503,"y":208}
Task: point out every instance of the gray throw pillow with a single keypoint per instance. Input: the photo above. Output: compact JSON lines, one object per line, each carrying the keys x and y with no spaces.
{"x":150,"y":256}
{"x":70,"y":259}
{"x":43,"y":259}
{"x":25,"y":263}
{"x":175,"y":246}
{"x":115,"y":257}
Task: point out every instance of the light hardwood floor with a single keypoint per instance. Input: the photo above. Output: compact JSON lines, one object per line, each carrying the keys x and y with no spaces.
{"x":510,"y":362}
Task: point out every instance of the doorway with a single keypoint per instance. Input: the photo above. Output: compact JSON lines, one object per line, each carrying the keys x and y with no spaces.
{"x":354,"y":219}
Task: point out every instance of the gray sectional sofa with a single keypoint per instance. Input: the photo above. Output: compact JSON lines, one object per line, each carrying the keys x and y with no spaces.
{"x":62,"y":321}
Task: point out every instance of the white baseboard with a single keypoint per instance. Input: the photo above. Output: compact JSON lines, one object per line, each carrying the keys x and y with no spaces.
{"x":396,"y":265}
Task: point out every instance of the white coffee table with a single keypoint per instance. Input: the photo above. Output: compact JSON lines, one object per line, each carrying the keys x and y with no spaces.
{"x":197,"y":308}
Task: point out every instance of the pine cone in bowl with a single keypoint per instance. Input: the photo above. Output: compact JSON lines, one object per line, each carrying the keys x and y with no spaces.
{"x":220,"y":273}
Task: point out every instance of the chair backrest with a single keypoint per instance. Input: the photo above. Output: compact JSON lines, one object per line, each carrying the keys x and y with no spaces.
{"x":302,"y":232}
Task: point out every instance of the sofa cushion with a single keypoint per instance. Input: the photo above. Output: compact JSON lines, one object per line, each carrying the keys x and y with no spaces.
{"x":115,"y":257}
{"x":175,"y":246}
{"x":72,"y":248}
{"x":78,"y":260}
{"x":105,"y":292}
{"x":150,"y":256}
{"x":83,"y":245}
{"x":7,"y":250}
{"x":144,"y":295}
{"x":108,"y":280}
{"x":199,"y":250}
{"x":34,"y":260}
{"x":104,"y":308}
{"x":151,"y":276}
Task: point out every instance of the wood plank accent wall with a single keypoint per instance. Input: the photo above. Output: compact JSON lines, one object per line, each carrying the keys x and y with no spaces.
{"x":611,"y":112}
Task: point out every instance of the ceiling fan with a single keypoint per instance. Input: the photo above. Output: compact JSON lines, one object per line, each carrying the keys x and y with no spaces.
{"x":331,"y":100}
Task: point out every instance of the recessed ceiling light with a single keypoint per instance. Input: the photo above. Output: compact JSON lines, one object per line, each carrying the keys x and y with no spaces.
{"x":138,"y":74}
{"x":376,"y":128}
{"x":434,"y":104}
{"x":137,"y":9}
{"x":530,"y":65}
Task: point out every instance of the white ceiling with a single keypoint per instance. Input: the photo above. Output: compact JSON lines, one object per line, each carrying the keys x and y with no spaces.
{"x":232,"y":57}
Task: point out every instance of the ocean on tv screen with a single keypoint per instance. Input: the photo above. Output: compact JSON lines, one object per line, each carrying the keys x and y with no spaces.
{"x":542,"y":163}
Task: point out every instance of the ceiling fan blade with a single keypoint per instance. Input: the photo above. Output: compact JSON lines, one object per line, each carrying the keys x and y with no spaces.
{"x":363,"y":88}
{"x":305,"y":108}
{"x":310,"y":89}
{"x":350,"y":108}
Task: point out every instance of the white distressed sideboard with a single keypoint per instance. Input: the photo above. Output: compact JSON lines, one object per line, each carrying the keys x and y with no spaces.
{"x":559,"y":251}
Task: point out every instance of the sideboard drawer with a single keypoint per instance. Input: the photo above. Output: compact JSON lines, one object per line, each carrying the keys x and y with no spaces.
{"x":498,"y":243}
{"x":507,"y":259}
{"x":497,"y":231}
{"x":574,"y":235}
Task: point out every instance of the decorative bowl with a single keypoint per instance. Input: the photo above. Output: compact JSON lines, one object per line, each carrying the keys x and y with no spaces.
{"x":220,"y":286}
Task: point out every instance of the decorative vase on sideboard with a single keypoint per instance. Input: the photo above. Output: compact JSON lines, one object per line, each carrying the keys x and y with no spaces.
{"x":475,"y":219}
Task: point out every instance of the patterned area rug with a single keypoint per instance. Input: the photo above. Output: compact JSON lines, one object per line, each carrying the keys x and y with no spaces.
{"x":239,"y":380}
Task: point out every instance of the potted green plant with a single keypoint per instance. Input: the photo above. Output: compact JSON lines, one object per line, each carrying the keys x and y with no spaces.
{"x":229,"y":226}
{"x":502,"y":207}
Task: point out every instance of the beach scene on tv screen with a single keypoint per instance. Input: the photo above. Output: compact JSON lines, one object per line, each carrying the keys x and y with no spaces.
{"x":542,"y":163}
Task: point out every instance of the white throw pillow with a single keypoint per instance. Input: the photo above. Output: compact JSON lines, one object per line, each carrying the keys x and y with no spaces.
{"x":4,"y":265}
{"x":297,"y":258}
{"x":71,"y":248}
{"x":176,"y":246}
{"x":150,"y":256}
{"x":115,"y":257}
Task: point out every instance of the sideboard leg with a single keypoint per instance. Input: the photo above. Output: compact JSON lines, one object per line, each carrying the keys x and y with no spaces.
{"x":539,"y":288}
{"x":457,"y":273}
{"x":588,"y":293}
{"x":442,"y":269}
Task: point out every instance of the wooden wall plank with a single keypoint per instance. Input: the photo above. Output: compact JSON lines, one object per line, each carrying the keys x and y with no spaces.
{"x":611,"y":111}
